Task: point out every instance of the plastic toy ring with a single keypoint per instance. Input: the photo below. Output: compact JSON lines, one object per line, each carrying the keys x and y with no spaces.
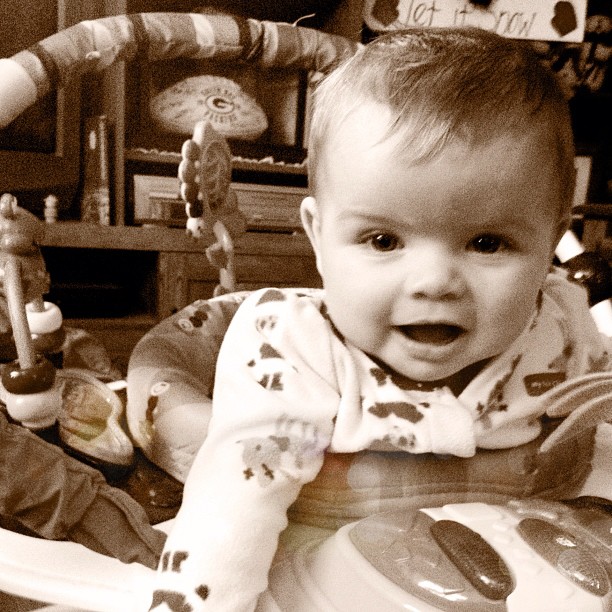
{"x":49,"y":343}
{"x":46,"y":321}
{"x":23,"y":381}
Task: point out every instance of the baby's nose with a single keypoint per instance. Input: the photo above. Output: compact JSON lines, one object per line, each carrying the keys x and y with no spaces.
{"x":435,"y":275}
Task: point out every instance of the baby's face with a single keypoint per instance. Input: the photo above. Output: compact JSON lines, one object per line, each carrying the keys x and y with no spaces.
{"x":432,"y":267}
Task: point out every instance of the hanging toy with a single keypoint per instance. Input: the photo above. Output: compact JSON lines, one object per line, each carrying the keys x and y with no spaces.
{"x":28,"y":384}
{"x":205,"y":174}
{"x":592,"y":271}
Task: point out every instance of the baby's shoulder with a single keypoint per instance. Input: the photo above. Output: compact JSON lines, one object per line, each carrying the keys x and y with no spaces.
{"x":287,"y":315}
{"x":283,"y":301}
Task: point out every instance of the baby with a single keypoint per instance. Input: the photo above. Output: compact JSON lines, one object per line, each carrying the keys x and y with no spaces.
{"x":441,"y":173}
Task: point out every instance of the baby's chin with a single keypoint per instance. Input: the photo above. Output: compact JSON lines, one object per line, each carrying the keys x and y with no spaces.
{"x":419,"y":369}
{"x":428,"y":378}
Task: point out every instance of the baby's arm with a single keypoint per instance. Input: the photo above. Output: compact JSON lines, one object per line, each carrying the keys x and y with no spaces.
{"x":272,"y":421}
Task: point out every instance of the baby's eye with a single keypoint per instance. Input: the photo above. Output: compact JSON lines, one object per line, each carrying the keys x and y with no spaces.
{"x":383,"y":242}
{"x":488,"y":244}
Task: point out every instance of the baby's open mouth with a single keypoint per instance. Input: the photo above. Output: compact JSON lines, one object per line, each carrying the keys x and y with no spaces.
{"x":432,"y":333}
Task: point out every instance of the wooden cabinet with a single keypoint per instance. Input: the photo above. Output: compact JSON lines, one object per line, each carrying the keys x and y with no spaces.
{"x":261,"y":261}
{"x":136,"y":275}
{"x":119,"y":281}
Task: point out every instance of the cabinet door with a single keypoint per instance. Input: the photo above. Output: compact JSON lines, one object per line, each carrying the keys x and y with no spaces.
{"x":183,"y":278}
{"x":186,"y":277}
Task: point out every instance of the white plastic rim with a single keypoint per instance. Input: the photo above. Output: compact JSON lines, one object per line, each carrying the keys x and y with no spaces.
{"x":602,"y":313}
{"x":569,"y":246}
{"x":68,"y":574}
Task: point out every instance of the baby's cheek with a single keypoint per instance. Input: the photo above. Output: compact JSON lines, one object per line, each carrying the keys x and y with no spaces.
{"x":509,"y":309}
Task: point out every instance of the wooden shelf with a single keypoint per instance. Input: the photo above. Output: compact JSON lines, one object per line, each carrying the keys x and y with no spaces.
{"x":137,"y":321}
{"x":266,"y":165}
{"x":76,"y":234}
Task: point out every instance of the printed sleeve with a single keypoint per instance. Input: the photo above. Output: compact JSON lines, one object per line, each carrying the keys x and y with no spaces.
{"x":273,"y":413}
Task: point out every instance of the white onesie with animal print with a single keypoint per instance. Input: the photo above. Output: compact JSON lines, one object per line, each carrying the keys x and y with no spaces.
{"x":288,"y":389}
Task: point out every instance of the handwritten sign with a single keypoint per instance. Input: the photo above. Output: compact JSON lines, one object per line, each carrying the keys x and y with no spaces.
{"x":555,"y":20}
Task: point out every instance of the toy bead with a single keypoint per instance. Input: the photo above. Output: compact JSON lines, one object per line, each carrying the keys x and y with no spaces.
{"x":52,"y":342}
{"x":190,"y":193}
{"x":187,"y":171}
{"x":24,"y":381}
{"x":31,"y":396}
{"x":191,"y":151}
{"x":35,"y":410}
{"x":43,"y":321}
{"x":195,"y":227}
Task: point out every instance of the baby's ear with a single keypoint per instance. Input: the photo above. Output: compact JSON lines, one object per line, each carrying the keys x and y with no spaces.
{"x":309,"y":211}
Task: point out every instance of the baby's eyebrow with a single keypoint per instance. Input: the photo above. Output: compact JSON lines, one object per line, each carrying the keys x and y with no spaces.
{"x":502,"y":224}
{"x":372,"y":218}
{"x":505,"y":225}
